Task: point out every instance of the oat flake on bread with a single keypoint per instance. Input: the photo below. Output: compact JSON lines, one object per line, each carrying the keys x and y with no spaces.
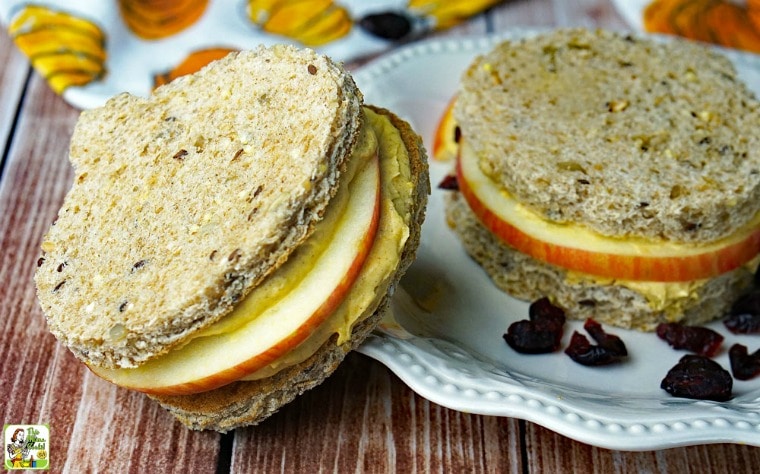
{"x":227,"y":240}
{"x":620,"y":139}
{"x":625,"y":135}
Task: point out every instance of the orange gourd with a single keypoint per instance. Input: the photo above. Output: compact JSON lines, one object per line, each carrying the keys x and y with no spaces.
{"x":156,"y":19}
{"x":716,"y":21}
{"x":65,"y":49}
{"x":192,"y":63}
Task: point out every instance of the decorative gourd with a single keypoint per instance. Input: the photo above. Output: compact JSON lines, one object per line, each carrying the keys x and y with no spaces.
{"x":156,"y":19}
{"x":192,"y":63}
{"x":716,"y":21}
{"x":310,"y":22}
{"x":64,"y":49}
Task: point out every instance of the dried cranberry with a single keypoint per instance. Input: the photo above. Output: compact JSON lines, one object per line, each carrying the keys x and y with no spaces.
{"x":609,"y":342}
{"x":698,"y":377}
{"x":743,"y":323}
{"x":542,"y":333}
{"x":744,"y":366}
{"x":747,"y":303}
{"x":548,"y":315}
{"x":449,"y":183}
{"x":581,"y":351}
{"x":526,"y":338}
{"x":609,"y":348}
{"x":703,"y":341}
{"x":744,"y":317}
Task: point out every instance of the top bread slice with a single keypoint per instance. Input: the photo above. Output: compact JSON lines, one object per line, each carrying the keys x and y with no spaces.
{"x":624,"y":135}
{"x":184,"y":201}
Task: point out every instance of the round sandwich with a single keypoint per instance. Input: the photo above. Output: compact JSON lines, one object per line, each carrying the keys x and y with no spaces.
{"x":619,"y":176}
{"x":229,"y":239}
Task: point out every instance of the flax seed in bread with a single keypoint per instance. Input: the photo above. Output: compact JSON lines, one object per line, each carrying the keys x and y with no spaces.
{"x":227,"y":240}
{"x":248,"y":402}
{"x":184,"y":201}
{"x":637,"y":146}
{"x":627,"y":136}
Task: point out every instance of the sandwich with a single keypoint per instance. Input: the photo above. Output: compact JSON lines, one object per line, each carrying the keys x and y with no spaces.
{"x":227,"y":240}
{"x":619,"y":176}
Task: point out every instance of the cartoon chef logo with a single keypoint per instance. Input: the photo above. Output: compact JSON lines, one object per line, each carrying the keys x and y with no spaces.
{"x":26,"y":447}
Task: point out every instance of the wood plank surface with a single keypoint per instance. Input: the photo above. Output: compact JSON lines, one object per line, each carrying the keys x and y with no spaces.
{"x":13,"y":74}
{"x":95,"y":426}
{"x":362,"y":419}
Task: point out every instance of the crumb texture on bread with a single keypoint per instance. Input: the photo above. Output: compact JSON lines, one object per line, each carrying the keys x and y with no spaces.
{"x":608,"y":302}
{"x":182,"y":202}
{"x":250,"y":402}
{"x":627,"y":136}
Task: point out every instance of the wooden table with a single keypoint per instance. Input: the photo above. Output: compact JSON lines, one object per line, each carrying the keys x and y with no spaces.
{"x":362,"y":419}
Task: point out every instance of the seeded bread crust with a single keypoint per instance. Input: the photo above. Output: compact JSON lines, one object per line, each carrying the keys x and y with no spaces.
{"x":250,"y":402}
{"x":615,"y":304}
{"x":184,"y":201}
{"x":624,"y":135}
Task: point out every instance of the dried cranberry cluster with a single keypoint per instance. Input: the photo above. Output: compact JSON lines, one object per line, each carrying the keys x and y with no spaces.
{"x":542,"y":333}
{"x":694,"y":376}
{"x":698,"y":376}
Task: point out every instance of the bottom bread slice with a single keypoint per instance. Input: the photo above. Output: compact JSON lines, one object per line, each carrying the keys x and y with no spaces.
{"x":250,"y":402}
{"x":610,"y":302}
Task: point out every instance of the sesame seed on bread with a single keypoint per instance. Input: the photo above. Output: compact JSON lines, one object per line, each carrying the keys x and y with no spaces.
{"x":624,"y":135}
{"x":184,"y":201}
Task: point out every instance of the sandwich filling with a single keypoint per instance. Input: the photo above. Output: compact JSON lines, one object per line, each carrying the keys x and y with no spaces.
{"x":665,"y":272}
{"x":357,"y":246}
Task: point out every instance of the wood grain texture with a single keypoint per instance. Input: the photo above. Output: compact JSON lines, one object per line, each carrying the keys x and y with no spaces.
{"x":13,"y":75}
{"x":550,"y":452}
{"x":363,"y":419}
{"x":95,"y":426}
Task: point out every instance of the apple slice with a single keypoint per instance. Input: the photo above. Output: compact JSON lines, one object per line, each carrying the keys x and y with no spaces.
{"x":577,"y":248}
{"x":445,"y":140}
{"x":230,"y":351}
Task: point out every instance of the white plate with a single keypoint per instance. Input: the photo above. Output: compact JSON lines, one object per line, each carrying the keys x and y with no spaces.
{"x":632,"y":11}
{"x":455,"y":355}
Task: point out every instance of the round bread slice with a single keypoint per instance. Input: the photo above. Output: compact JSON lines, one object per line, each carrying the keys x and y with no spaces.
{"x":184,"y":201}
{"x":621,"y":304}
{"x":249,"y":402}
{"x":624,"y":135}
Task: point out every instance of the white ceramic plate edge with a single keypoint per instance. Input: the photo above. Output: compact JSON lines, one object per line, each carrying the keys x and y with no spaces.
{"x":441,"y":370}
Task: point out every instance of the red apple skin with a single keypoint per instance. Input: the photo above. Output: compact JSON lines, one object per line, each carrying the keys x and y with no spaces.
{"x":444,"y":143}
{"x":265,"y":358}
{"x":620,"y":267}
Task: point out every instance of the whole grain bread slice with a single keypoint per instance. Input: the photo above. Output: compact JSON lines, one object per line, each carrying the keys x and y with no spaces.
{"x":250,"y":402}
{"x":182,"y":202}
{"x":624,"y":135}
{"x":619,"y":304}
